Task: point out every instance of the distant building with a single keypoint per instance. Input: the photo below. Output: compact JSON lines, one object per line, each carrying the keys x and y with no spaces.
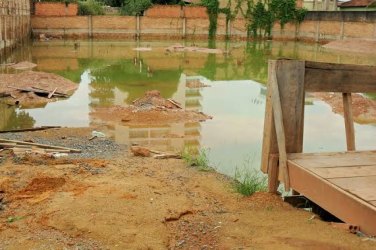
{"x":358,"y":5}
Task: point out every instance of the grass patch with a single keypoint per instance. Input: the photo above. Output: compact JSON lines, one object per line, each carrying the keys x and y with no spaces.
{"x":248,"y":182}
{"x":198,"y":159}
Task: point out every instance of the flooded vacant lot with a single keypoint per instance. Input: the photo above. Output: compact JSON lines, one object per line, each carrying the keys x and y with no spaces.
{"x":114,"y":73}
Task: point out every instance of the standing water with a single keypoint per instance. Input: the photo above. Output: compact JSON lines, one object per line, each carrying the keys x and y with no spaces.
{"x":113,"y":73}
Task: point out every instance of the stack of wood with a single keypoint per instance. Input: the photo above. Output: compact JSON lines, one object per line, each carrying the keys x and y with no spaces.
{"x":22,"y":147}
{"x":39,"y":91}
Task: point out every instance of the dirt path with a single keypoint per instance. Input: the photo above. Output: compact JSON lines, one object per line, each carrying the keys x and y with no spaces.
{"x":141,"y":203}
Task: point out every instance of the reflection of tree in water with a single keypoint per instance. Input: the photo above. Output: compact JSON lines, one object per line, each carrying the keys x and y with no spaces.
{"x":11,"y":119}
{"x":256,"y":61}
{"x":127,"y":77}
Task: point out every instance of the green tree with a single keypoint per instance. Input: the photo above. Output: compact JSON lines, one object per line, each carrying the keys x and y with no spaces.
{"x":135,"y":7}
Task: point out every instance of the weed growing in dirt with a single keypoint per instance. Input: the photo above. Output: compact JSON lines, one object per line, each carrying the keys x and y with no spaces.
{"x":198,"y":159}
{"x":249,"y":182}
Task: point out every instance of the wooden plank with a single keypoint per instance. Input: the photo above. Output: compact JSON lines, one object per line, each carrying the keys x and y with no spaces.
{"x":291,"y":88}
{"x":373,"y":202}
{"x":349,"y":123}
{"x":363,"y":187}
{"x":335,"y":200}
{"x":345,"y":78}
{"x":72,"y":150}
{"x":280,"y":131}
{"x":345,"y":159}
{"x":51,"y":94}
{"x":343,"y":172}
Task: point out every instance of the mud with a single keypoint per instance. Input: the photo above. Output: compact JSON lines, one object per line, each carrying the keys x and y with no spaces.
{"x":364,"y":109}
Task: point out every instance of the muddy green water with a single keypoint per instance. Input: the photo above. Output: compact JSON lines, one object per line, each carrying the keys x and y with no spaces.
{"x":112,"y":73}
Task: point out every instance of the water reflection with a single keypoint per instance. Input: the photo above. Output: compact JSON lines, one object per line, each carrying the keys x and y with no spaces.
{"x":112,"y":73}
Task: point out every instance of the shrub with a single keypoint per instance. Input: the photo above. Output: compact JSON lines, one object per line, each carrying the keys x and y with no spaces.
{"x":90,"y":8}
{"x":198,"y":159}
{"x":248,"y":182}
{"x":135,"y":7}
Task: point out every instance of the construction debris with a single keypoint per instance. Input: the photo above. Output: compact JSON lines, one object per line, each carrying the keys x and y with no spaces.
{"x":31,"y":88}
{"x":22,"y":148}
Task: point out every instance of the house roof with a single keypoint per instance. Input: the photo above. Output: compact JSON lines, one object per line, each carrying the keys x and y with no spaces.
{"x":357,"y":3}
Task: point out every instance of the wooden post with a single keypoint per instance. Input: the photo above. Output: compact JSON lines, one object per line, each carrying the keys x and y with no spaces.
{"x":291,"y":92}
{"x":273,"y":181}
{"x":349,"y":123}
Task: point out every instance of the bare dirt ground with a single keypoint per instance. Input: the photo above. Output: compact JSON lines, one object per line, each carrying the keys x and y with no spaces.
{"x":364,"y":109}
{"x":143,"y":203}
{"x":28,"y":79}
{"x":356,"y":46}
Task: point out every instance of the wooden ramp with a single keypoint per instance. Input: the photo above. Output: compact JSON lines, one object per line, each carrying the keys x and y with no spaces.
{"x":343,"y":183}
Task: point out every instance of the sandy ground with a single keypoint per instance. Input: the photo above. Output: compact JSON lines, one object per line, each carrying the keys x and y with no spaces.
{"x":27,"y":79}
{"x":142,"y":203}
{"x":356,"y":46}
{"x":364,"y":109}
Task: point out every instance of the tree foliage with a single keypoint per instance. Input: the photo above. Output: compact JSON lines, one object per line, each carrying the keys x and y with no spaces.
{"x":135,"y":7}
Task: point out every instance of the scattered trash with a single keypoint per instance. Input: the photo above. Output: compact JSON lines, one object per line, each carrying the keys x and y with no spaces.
{"x":97,"y":134}
{"x":59,"y":155}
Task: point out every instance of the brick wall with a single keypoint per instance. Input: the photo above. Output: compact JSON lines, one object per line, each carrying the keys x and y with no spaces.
{"x":317,"y":29}
{"x":56,"y":9}
{"x":176,"y":11}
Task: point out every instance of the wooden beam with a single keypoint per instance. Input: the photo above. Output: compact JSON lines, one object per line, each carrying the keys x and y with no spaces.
{"x":273,"y":181}
{"x":349,"y":123}
{"x":280,"y":130}
{"x":344,"y":78}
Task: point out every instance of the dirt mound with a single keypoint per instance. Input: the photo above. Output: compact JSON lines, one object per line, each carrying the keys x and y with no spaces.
{"x":40,"y":185}
{"x":151,"y":109}
{"x":23,"y":65}
{"x":153,"y":99}
{"x":364,"y":109}
{"x":11,"y":86}
{"x":195,"y":84}
{"x":357,"y":46}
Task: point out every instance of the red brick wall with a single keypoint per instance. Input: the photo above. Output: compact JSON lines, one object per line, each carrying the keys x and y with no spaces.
{"x":56,"y":9}
{"x":164,"y":11}
{"x":176,"y":11}
{"x":195,"y":12}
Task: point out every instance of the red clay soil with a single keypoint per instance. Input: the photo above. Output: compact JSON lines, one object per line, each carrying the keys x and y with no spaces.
{"x":364,"y":109}
{"x":28,"y":79}
{"x":356,"y":46}
{"x":141,"y":203}
{"x":150,"y":109}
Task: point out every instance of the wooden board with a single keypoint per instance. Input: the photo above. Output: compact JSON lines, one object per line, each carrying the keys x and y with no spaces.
{"x":335,"y":200}
{"x":373,"y":203}
{"x":343,"y":172}
{"x":364,"y":187}
{"x":344,"y":78}
{"x":341,"y":159}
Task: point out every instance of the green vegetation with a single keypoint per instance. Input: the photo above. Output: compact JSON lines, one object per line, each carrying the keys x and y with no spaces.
{"x":90,"y":7}
{"x":248,"y":182}
{"x":135,"y":7}
{"x":196,"y":159}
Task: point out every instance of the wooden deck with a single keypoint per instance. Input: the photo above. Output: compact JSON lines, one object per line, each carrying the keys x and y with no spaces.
{"x":344,"y":184}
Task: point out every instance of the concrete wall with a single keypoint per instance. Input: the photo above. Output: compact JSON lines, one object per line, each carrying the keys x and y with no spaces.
{"x":14,"y":23}
{"x":55,"y":9}
{"x":317,"y":27}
